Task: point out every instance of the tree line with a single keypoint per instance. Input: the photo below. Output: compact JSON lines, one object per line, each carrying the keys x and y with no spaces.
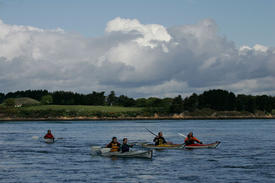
{"x":217,"y":99}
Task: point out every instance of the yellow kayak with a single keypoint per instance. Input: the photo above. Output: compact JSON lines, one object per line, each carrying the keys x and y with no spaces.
{"x":163,"y":146}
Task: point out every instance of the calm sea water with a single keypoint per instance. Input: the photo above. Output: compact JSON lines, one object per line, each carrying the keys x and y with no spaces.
{"x":246,"y":154}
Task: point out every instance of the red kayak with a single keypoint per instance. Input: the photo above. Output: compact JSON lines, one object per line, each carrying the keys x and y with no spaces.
{"x":202,"y":146}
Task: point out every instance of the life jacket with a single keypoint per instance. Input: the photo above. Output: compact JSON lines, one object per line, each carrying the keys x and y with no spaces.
{"x":115,"y":147}
{"x":48,"y":136}
{"x":191,"y":140}
{"x":159,"y":141}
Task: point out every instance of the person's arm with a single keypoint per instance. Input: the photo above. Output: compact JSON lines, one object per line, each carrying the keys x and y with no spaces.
{"x":119,"y":145}
{"x":155,"y":139}
{"x":197,"y":140}
{"x":109,"y":145}
{"x":164,"y":141}
{"x":186,"y":139}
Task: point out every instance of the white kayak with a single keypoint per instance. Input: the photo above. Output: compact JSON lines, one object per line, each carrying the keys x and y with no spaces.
{"x":49,"y":141}
{"x":131,"y":154}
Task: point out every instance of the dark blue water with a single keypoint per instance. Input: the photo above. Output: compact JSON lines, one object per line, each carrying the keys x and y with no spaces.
{"x":246,"y":154}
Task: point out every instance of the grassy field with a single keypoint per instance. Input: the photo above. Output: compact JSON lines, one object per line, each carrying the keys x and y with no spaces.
{"x":84,"y":108}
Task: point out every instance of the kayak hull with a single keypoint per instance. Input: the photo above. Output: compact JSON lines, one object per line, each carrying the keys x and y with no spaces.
{"x":181,"y":146}
{"x":131,"y":154}
{"x":49,"y":141}
{"x":202,"y":146}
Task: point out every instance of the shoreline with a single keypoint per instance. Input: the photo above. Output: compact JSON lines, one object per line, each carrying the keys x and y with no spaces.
{"x":81,"y":118}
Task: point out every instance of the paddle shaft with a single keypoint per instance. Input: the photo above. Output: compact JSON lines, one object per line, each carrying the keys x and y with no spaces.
{"x":151,"y":132}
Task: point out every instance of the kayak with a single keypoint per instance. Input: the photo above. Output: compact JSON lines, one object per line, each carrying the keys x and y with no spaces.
{"x":163,"y":146}
{"x":49,"y":141}
{"x":131,"y":154}
{"x":181,"y":146}
{"x":202,"y":146}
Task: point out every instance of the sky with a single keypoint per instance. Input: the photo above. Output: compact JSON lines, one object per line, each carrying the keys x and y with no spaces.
{"x":138,"y":48}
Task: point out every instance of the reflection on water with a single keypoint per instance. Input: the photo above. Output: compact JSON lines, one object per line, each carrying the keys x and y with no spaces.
{"x":246,"y":153}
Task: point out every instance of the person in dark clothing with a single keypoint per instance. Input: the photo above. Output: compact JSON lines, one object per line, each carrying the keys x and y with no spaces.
{"x":125,"y":147}
{"x":159,"y":140}
{"x":49,"y":135}
{"x":114,"y":145}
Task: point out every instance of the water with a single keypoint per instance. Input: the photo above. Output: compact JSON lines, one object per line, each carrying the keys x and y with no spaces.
{"x":246,"y":154}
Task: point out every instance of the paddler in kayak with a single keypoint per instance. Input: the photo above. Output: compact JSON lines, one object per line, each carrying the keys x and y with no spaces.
{"x":125,"y":147}
{"x":190,"y":139}
{"x":49,"y":135}
{"x":114,"y":145}
{"x":159,"y":140}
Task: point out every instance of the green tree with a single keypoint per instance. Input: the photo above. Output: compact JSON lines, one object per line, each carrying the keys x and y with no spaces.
{"x":191,"y":103}
{"x":111,"y":99}
{"x":10,"y":102}
{"x":177,"y":105}
{"x":47,"y":99}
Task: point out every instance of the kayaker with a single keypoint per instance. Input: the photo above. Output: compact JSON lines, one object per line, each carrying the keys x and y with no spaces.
{"x":125,"y":147}
{"x":49,"y":135}
{"x":114,"y":145}
{"x":190,"y":139}
{"x":159,"y":140}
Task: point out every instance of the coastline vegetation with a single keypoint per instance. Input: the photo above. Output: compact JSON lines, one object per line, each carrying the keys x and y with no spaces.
{"x":41,"y":104}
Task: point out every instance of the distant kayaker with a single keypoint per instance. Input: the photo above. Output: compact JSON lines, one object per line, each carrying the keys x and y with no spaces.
{"x":49,"y":135}
{"x":125,"y":147}
{"x":159,"y":140}
{"x":114,"y":145}
{"x":190,"y":139}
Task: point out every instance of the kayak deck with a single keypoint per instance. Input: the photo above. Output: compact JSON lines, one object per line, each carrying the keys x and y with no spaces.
{"x":131,"y":154}
{"x":181,"y":146}
{"x":202,"y":146}
{"x":49,"y":141}
{"x":163,"y":146}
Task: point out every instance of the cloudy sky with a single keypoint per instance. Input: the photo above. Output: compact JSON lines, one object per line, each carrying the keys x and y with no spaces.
{"x":138,"y":48}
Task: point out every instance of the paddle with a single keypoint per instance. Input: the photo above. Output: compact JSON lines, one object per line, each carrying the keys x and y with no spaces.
{"x":180,"y":134}
{"x":156,"y":135}
{"x":151,"y":132}
{"x":35,"y":137}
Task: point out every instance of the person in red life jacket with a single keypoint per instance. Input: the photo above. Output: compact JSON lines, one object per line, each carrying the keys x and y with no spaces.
{"x":190,"y":139}
{"x":49,"y":135}
{"x":159,"y":140}
{"x":114,"y":145}
{"x":125,"y":147}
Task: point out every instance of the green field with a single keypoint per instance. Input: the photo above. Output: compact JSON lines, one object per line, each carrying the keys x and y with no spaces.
{"x":84,"y":108}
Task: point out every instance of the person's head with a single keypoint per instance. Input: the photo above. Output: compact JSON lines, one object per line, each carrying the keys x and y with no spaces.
{"x":114,"y":139}
{"x":190,"y":134}
{"x":125,"y":140}
{"x":49,"y":131}
{"x":160,"y":134}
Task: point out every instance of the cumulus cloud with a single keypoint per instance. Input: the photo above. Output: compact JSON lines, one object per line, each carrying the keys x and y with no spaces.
{"x":132,"y":58}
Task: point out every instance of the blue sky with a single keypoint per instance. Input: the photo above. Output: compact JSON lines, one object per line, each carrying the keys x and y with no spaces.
{"x":246,"y":22}
{"x":139,"y":48}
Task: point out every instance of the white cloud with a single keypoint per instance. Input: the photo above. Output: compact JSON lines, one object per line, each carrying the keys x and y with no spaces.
{"x":149,"y":33}
{"x":134,"y":59}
